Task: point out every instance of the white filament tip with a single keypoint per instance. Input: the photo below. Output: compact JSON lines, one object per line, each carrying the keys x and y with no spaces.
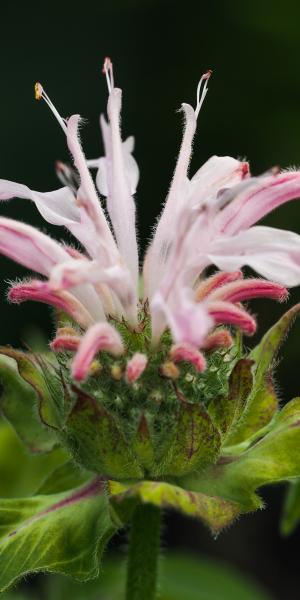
{"x":202,"y":90}
{"x":107,"y":70}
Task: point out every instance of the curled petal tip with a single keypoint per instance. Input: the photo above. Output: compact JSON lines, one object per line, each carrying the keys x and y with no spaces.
{"x":99,"y":337}
{"x":188,"y":353}
{"x":65,"y":343}
{"x":219,"y":339}
{"x":135,"y":367}
{"x":225,"y":312}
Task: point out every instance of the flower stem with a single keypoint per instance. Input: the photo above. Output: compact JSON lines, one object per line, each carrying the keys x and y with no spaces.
{"x":144,"y":544}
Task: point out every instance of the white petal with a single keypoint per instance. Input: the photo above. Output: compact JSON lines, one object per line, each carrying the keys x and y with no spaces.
{"x":88,"y":198}
{"x":274,"y":253}
{"x":117,"y":178}
{"x":217,"y":173}
{"x":157,"y":253}
{"x":57,"y":207}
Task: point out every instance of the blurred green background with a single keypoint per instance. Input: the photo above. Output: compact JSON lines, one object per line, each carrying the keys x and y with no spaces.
{"x":160,"y":49}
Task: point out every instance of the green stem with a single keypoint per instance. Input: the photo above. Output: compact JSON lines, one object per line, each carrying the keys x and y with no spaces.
{"x":144,"y":544}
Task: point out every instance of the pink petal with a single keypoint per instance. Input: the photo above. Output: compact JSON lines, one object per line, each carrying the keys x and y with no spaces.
{"x":225,"y":312}
{"x":206,"y":286}
{"x":189,"y":321}
{"x":188,"y":353}
{"x":239,"y":291}
{"x":65,"y":342}
{"x":117,"y":278}
{"x":257,"y":199}
{"x":29,"y":247}
{"x":219,"y":339}
{"x":135,"y":367}
{"x":39,"y":291}
{"x":100,"y":336}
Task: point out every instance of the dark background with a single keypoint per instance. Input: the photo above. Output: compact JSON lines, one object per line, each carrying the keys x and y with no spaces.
{"x":253,"y":109}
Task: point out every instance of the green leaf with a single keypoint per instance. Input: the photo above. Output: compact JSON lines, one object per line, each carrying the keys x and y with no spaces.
{"x":63,"y":478}
{"x":213,"y":511}
{"x":273,"y":459}
{"x":262,"y":403}
{"x":96,"y":441}
{"x":196,"y":441}
{"x":20,"y":472}
{"x":19,"y":405}
{"x":64,"y":533}
{"x":40,"y":374}
{"x":182,"y":578}
{"x":291,"y":509}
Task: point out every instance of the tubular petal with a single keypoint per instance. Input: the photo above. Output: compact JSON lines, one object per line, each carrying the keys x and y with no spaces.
{"x":239,"y":291}
{"x":258,"y":199}
{"x":209,"y":284}
{"x":225,"y":312}
{"x":219,"y":339}
{"x":39,"y":291}
{"x":29,"y":247}
{"x":188,"y":353}
{"x":65,"y":343}
{"x":100,"y":336}
{"x":135,"y":367}
{"x":119,"y":177}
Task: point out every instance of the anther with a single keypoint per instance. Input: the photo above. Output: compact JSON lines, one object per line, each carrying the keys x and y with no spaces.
{"x":202,"y":91}
{"x":39,"y":94}
{"x":38,"y":91}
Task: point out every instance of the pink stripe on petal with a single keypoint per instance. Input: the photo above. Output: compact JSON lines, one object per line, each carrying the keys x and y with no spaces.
{"x":39,"y":291}
{"x":188,"y":353}
{"x":100,"y":336}
{"x":250,"y":288}
{"x":135,"y":367}
{"x":225,"y":312}
{"x":257,"y":199}
{"x":29,"y":246}
{"x":217,"y":280}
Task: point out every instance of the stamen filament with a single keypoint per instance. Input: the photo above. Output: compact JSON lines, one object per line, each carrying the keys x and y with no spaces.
{"x":41,"y":94}
{"x":107,"y":70}
{"x":202,"y":93}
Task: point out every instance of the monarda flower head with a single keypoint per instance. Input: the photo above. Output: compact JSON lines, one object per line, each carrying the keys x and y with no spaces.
{"x":133,"y":367}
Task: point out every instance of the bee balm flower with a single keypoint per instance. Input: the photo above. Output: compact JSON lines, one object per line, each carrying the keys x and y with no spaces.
{"x":208,"y":219}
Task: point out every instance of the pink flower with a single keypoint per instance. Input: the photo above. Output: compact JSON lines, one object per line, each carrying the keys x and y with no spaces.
{"x":208,"y":219}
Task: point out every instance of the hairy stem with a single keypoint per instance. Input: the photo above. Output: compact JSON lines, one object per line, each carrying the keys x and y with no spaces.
{"x":144,"y":544}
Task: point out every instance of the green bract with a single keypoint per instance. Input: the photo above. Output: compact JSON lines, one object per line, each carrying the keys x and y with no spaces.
{"x":202,"y":443}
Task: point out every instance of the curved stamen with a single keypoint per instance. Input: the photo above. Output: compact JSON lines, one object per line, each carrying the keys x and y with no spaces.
{"x":107,"y":70}
{"x":202,"y":91}
{"x":40,"y":94}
